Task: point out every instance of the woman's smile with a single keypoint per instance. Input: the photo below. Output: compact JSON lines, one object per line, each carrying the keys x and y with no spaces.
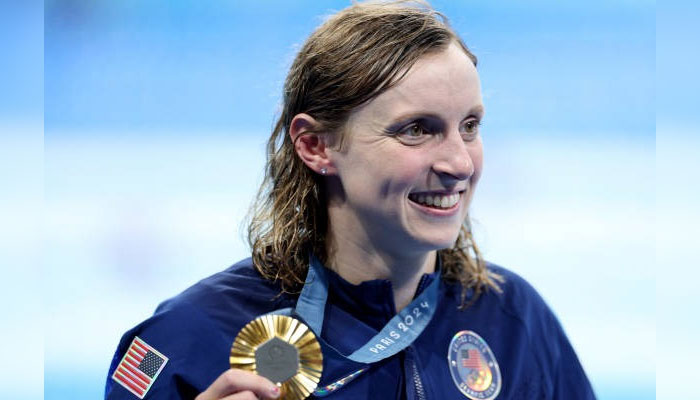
{"x":442,"y":201}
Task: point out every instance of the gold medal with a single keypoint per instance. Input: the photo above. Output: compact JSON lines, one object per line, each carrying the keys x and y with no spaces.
{"x":283,"y":350}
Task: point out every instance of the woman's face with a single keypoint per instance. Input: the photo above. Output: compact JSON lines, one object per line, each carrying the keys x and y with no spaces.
{"x":411,"y":158}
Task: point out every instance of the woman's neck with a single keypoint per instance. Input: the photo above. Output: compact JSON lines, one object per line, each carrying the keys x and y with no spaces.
{"x":357,"y":262}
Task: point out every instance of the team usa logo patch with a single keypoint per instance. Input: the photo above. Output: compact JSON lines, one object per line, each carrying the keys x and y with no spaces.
{"x":473,"y":366}
{"x":139,"y":367}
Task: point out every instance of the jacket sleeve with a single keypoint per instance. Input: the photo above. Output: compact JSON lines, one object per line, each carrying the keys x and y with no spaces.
{"x":570,"y":381}
{"x":193,"y":350}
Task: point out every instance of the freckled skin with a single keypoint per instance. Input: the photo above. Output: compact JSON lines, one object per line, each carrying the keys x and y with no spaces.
{"x":377,"y":171}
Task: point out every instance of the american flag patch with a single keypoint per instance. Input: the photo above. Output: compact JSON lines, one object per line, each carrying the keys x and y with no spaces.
{"x":471,"y":359}
{"x":139,"y":367}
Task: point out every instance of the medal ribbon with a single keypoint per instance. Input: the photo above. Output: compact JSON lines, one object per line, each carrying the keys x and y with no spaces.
{"x":402,"y":330}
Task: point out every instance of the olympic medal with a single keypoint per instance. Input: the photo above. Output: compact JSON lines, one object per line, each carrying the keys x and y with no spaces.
{"x":283,"y":350}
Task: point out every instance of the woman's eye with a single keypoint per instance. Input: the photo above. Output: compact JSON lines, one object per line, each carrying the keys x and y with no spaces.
{"x":413,"y":134}
{"x":413,"y":131}
{"x":471,"y":128}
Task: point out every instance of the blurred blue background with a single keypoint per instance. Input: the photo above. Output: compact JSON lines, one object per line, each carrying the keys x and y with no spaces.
{"x":21,"y":195}
{"x":156,"y":114}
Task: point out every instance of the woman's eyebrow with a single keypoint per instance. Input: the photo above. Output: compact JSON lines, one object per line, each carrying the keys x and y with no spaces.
{"x":413,"y":115}
{"x":477,"y":111}
{"x":400,"y":121}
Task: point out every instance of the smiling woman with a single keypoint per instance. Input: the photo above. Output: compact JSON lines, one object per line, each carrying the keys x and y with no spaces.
{"x":361,"y":236}
{"x":406,"y":152}
{"x":380,"y":171}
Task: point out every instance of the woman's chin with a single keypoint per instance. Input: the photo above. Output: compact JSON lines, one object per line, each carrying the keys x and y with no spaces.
{"x":436,"y":242}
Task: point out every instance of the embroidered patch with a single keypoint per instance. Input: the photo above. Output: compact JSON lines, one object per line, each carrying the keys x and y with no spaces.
{"x":139,"y":367}
{"x":473,"y":366}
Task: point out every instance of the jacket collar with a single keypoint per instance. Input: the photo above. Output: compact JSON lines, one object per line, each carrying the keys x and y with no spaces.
{"x":371,"y":302}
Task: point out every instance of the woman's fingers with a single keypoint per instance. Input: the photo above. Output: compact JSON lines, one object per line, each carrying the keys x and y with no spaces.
{"x":247,"y":395}
{"x":236,"y":382}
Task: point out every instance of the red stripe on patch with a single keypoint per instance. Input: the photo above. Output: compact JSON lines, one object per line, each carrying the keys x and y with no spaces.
{"x":139,"y":374}
{"x":135,"y":356}
{"x":125,"y":381}
{"x":133,"y":379}
{"x":138,"y":350}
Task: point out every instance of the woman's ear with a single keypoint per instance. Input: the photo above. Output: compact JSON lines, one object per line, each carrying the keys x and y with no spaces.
{"x":311,"y":146}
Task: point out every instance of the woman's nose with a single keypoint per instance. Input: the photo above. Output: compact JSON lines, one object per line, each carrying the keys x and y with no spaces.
{"x":454,"y":161}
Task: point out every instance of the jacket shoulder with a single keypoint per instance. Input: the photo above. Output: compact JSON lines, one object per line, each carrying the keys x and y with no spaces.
{"x":238,"y":286}
{"x":521,"y":301}
{"x":547,"y":341}
{"x":194,"y":331}
{"x":517,"y":295}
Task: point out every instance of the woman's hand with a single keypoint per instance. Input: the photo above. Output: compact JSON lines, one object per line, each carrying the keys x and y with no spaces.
{"x":236,"y":384}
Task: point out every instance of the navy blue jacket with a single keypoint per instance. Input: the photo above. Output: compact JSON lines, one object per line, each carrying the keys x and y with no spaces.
{"x":196,"y":328}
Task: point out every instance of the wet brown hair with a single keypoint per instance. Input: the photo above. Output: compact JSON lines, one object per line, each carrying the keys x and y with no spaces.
{"x":350,"y":59}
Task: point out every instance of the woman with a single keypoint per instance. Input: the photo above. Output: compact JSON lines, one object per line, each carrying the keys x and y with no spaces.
{"x":371,"y":169}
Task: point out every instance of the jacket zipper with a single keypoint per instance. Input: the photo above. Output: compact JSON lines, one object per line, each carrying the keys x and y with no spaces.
{"x":412,"y":374}
{"x":418,"y":383}
{"x":418,"y":388}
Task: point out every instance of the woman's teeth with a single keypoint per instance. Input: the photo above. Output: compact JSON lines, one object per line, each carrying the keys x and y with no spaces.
{"x":436,"y":200}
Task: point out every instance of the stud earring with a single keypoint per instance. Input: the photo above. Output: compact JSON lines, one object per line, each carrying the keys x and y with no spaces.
{"x":323,"y":171}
